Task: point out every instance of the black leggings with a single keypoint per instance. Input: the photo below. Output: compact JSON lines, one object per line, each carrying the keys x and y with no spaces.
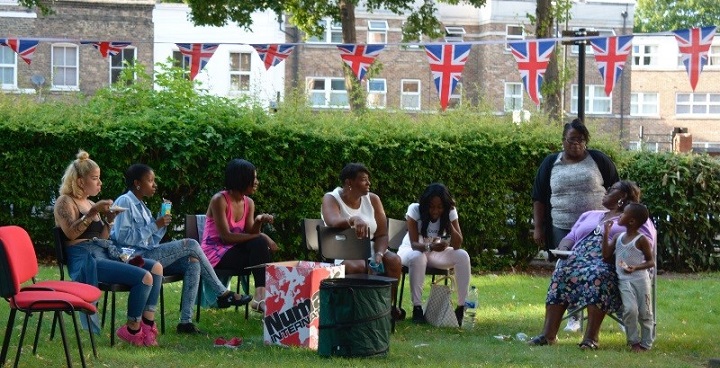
{"x":250,"y":253}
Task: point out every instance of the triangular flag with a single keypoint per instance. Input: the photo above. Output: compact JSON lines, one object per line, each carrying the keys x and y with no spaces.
{"x":273,"y":54}
{"x":196,"y":55}
{"x":24,"y":48}
{"x":359,"y":57}
{"x":532,"y":58}
{"x":446,"y":64}
{"x":694,"y":45}
{"x":107,"y":47}
{"x":610,"y":55}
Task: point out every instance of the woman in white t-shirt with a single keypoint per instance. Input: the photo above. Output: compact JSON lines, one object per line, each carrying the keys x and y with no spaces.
{"x":434,"y":239}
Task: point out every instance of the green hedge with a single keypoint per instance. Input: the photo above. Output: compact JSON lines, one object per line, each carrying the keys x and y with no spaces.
{"x":487,"y":161}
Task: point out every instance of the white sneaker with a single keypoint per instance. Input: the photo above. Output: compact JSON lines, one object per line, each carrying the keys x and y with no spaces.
{"x":573,"y":325}
{"x":622,"y":328}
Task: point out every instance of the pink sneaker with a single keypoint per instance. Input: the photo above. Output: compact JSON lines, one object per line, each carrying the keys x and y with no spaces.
{"x":220,"y":342}
{"x":234,"y":343}
{"x":136,"y":339}
{"x":151,"y":334}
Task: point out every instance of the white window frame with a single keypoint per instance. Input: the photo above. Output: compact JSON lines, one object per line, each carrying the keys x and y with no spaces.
{"x":575,"y":49}
{"x":513,"y":93}
{"x":454,"y":34}
{"x":55,"y":69}
{"x":12,"y":66}
{"x":327,"y":92}
{"x":377,"y":28}
{"x":119,"y":68}
{"x":692,"y":101}
{"x":330,"y":28}
{"x":377,"y":99}
{"x":241,"y":72}
{"x":594,"y":95}
{"x":714,"y":57}
{"x":641,"y":53}
{"x":404,"y":94}
{"x":455,"y":99}
{"x":640,"y":103}
{"x":513,"y":37}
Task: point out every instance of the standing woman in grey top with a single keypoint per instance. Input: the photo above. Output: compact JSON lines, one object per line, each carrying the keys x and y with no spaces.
{"x":569,"y":183}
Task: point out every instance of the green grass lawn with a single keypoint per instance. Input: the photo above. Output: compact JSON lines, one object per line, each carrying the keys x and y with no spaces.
{"x":509,"y":303}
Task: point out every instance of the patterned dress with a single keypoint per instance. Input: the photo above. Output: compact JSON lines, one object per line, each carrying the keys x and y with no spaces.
{"x":585,"y":279}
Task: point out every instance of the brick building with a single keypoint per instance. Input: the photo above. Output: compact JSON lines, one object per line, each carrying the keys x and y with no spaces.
{"x":60,"y":59}
{"x":490,"y":77}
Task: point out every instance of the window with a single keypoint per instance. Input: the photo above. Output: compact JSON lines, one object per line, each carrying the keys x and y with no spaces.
{"x":410,"y":94}
{"x":588,"y":48}
{"x":417,"y":37}
{"x":124,"y":59}
{"x":513,"y":96}
{"x":64,"y":66}
{"x":697,"y":104}
{"x":332,"y":33}
{"x":327,"y":92}
{"x":180,"y":62}
{"x":645,"y":55}
{"x":455,"y":99}
{"x":595,"y":100}
{"x":454,"y":34}
{"x":513,"y":33}
{"x":8,"y":68}
{"x":240,"y":71}
{"x":377,"y":31}
{"x":644,"y":104}
{"x":714,"y":56}
{"x":377,"y":93}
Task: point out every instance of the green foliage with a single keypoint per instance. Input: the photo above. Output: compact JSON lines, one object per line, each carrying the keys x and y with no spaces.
{"x":667,"y":15}
{"x":682,"y":193}
{"x":188,"y":136}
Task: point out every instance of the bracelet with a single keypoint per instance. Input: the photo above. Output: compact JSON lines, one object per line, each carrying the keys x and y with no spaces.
{"x":427,"y":247}
{"x":84,"y":220}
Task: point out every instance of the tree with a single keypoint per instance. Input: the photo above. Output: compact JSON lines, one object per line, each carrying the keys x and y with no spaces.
{"x":668,"y":15}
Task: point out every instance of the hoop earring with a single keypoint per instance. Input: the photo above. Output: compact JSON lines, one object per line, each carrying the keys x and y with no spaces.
{"x":620,"y":202}
{"x":138,"y":187}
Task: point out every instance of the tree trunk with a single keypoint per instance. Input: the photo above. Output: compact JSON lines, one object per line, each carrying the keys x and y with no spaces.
{"x":553,"y":88}
{"x":356,"y":95}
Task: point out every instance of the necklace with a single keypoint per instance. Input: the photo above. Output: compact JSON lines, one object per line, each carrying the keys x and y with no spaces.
{"x":599,"y":228}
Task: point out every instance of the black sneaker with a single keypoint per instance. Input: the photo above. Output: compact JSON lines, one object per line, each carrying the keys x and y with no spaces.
{"x":459,"y":314}
{"x":418,"y":315}
{"x":189,"y":328}
{"x":228,"y":300}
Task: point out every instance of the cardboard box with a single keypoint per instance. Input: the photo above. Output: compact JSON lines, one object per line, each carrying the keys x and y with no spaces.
{"x":292,"y":301}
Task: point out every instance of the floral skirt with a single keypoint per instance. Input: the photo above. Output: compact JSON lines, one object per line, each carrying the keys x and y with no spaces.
{"x":585,"y":279}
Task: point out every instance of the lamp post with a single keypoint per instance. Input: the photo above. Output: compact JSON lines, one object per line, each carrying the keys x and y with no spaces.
{"x":582,"y":32}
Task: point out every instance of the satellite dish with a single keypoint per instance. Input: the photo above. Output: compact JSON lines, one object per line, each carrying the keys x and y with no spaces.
{"x":37,"y":80}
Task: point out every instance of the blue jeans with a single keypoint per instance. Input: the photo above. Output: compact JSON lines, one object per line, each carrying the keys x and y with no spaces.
{"x":175,"y":258}
{"x":88,"y":262}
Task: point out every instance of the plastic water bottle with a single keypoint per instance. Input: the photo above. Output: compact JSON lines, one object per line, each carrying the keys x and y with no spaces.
{"x":471,"y":304}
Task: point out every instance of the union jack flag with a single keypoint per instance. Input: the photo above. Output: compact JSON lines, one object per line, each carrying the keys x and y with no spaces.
{"x":610,"y":55}
{"x":694,"y":45}
{"x":447,"y":62}
{"x":196,"y":55}
{"x":532,"y":58}
{"x":24,"y":48}
{"x":107,"y":47}
{"x":359,"y":57}
{"x":274,"y":54}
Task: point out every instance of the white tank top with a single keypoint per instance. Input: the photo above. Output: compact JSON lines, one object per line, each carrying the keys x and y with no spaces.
{"x":366,"y":210}
{"x":630,"y":255}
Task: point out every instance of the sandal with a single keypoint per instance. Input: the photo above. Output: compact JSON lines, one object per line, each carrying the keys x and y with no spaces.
{"x":588,"y":344}
{"x":258,"y":306}
{"x":229,"y":299}
{"x":541,"y":340}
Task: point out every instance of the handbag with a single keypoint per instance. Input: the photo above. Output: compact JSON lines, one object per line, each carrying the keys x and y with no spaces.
{"x":438,"y":310}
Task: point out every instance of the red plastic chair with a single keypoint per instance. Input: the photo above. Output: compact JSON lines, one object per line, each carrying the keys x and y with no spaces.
{"x":18,"y":265}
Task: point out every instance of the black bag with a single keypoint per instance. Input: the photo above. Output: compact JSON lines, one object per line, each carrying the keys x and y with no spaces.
{"x":354,"y":317}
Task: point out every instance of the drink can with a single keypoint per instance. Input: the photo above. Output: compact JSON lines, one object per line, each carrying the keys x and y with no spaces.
{"x":165,"y":208}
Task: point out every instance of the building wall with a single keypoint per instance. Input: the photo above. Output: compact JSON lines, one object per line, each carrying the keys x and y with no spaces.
{"x":71,"y":22}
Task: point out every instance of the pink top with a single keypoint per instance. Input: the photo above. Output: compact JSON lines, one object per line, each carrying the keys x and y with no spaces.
{"x":211,"y":244}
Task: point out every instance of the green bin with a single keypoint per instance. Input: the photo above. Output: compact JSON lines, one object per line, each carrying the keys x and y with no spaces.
{"x":354,"y":317}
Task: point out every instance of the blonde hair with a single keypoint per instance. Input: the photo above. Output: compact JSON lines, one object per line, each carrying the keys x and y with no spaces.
{"x":79,"y":168}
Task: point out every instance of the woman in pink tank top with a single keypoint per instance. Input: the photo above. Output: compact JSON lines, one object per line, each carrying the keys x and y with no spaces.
{"x":232,"y":238}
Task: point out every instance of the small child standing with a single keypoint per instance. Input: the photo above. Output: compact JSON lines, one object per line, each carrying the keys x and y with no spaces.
{"x":633,"y":256}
